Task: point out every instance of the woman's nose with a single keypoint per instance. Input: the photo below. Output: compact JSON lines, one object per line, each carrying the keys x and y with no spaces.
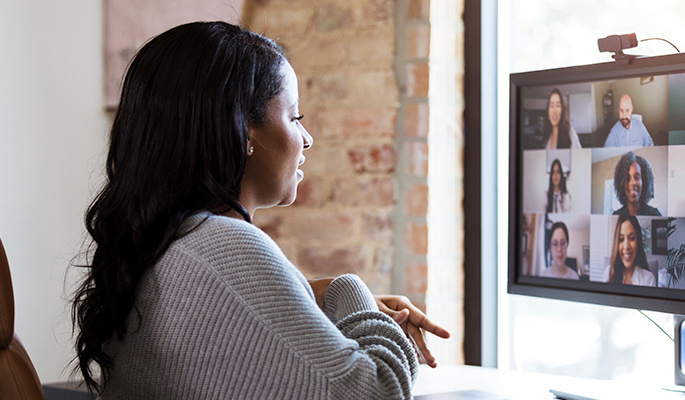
{"x":308,"y":139}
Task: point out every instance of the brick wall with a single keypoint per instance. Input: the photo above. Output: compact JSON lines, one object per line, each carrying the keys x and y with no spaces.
{"x":363,"y":69}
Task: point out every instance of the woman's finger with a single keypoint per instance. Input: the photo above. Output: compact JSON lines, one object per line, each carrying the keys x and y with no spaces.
{"x":422,"y":350}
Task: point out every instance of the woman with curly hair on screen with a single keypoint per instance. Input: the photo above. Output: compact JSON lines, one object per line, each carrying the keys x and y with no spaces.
{"x":634,"y":186}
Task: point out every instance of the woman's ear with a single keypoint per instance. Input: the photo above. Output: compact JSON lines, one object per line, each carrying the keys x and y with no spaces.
{"x":250,"y":148}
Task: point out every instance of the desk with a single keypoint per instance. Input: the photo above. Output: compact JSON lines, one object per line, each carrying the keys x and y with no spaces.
{"x":533,"y":386}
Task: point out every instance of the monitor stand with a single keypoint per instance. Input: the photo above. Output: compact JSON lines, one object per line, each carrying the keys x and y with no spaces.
{"x":679,"y":354}
{"x":678,"y":366}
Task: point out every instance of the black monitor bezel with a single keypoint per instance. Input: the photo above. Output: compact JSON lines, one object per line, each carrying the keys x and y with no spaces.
{"x":654,"y":299}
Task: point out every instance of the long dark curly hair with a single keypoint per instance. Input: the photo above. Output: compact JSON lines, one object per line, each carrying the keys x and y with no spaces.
{"x":621,"y":177}
{"x":564,"y":135}
{"x":178,"y":145}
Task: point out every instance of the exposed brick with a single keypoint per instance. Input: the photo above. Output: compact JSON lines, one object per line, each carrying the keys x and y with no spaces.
{"x":418,"y":41}
{"x":318,"y":52}
{"x":326,"y":86}
{"x":418,"y":158}
{"x":326,"y":159}
{"x":415,"y":278}
{"x":363,"y":47}
{"x":377,"y":158}
{"x":417,"y":79}
{"x":377,"y":226}
{"x":274,"y":22}
{"x":328,"y":261}
{"x":418,"y":9}
{"x":352,"y":122}
{"x":416,"y":238}
{"x":379,"y":10}
{"x":416,"y":119}
{"x":329,"y":225}
{"x":330,"y":17}
{"x":269,"y":222}
{"x":373,"y":88}
{"x":365,"y":191}
{"x":312,"y":192}
{"x":417,"y":199}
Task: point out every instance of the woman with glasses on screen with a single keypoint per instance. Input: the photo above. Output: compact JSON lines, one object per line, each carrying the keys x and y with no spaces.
{"x":558,"y":247}
{"x":558,"y":198}
{"x":558,"y":132}
{"x":628,"y":262}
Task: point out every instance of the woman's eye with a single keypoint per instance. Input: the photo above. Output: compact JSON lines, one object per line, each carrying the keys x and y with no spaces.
{"x":299,"y":117}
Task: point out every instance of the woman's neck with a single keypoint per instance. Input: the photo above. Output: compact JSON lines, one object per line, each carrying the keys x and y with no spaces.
{"x":632,"y":208}
{"x":559,"y":269}
{"x":628,"y":275}
{"x":553,"y":137}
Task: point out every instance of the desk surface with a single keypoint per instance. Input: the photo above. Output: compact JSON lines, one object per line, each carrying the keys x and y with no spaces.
{"x":532,"y":386}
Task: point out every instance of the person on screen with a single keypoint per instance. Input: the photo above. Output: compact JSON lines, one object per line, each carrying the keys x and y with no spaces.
{"x":628,"y":263}
{"x":558,"y":247}
{"x":628,"y":130}
{"x":634,"y":186}
{"x":558,"y":198}
{"x":558,"y":132}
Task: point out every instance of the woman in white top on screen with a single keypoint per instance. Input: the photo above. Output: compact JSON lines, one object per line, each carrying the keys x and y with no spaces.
{"x":558,"y":247}
{"x":559,"y":134}
{"x":558,"y":198}
{"x":628,"y":262}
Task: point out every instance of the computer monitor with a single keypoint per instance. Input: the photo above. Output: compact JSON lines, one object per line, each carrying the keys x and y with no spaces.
{"x":577,"y":202}
{"x":597,"y":175}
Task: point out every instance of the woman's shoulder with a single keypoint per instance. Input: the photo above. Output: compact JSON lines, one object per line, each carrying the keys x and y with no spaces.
{"x":644,"y":277}
{"x":216,"y":237}
{"x":230,"y":247}
{"x":606,"y":273}
{"x":208,"y":224}
{"x":646,"y":209}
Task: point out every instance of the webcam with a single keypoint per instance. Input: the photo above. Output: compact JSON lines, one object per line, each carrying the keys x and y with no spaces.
{"x":616,"y":44}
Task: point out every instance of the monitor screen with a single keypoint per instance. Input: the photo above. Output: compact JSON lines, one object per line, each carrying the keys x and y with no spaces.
{"x":597,"y":179}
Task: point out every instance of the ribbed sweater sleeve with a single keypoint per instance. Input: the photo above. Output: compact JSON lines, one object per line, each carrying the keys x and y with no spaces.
{"x":225,"y":315}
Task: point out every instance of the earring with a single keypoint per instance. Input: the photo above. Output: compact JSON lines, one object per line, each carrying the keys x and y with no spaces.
{"x":250,"y":150}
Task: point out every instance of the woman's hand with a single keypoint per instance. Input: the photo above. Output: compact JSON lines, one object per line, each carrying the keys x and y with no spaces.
{"x":414,"y":322}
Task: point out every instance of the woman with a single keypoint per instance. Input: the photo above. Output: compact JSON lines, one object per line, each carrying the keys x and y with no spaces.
{"x":558,"y":198}
{"x":183,"y":297}
{"x":628,"y":262}
{"x":558,"y":247}
{"x":558,"y":132}
{"x":634,"y":186}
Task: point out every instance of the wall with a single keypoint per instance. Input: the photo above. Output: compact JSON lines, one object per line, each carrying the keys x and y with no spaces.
{"x":52,"y":130}
{"x":363,"y":70}
{"x":344,"y":219}
{"x":363,"y":207}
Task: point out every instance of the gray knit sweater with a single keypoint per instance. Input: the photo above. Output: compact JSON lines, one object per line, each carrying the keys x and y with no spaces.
{"x":224,"y":315}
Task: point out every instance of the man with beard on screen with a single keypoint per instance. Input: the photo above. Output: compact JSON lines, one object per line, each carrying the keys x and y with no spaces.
{"x":628,"y":130}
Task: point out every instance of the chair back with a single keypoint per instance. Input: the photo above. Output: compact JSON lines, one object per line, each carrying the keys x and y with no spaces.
{"x":18,"y":377}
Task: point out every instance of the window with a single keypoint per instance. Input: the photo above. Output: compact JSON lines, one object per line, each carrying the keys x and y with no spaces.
{"x":551,"y":336}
